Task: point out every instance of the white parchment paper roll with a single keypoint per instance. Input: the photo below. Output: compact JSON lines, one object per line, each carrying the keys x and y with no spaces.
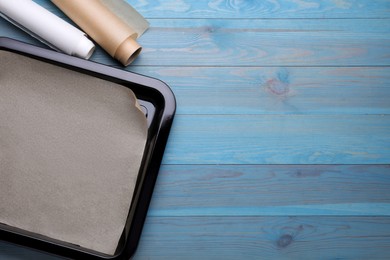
{"x":47,"y":27}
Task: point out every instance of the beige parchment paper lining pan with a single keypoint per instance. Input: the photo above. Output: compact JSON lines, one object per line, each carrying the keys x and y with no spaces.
{"x":70,"y":150}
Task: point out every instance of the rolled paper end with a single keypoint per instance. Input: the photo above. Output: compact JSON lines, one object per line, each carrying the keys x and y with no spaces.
{"x":127,"y":51}
{"x":84,"y":48}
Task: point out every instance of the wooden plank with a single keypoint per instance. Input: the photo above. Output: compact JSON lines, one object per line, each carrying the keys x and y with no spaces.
{"x":257,"y":43}
{"x":281,"y":9}
{"x":254,"y":238}
{"x":280,"y":90}
{"x":263,"y":9}
{"x":265,"y":43}
{"x":247,"y":190}
{"x":278,"y":139}
{"x":265,"y":238}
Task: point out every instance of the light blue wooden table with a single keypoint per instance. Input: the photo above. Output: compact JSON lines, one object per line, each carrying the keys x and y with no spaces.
{"x":281,"y":144}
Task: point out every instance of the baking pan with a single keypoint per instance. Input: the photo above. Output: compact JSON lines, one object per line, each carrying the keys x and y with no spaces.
{"x":158,"y":104}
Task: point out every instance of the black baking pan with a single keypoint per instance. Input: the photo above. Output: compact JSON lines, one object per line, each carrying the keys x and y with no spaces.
{"x":158,"y":104}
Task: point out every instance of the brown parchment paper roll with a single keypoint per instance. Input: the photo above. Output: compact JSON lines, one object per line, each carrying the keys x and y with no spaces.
{"x":100,"y":23}
{"x":70,"y":150}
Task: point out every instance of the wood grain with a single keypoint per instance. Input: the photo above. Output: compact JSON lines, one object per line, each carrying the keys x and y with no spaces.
{"x":249,"y":42}
{"x":262,"y":9}
{"x":265,"y":43}
{"x":279,"y":9}
{"x":265,"y":238}
{"x":277,"y":90}
{"x":304,"y":237}
{"x":251,"y":190}
{"x":278,"y":139}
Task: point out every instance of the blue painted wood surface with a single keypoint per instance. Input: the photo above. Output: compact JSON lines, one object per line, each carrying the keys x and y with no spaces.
{"x":251,"y":190}
{"x":281,"y":144}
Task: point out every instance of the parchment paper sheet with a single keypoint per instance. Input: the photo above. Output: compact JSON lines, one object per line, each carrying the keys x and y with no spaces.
{"x":111,"y":32}
{"x":70,"y":150}
{"x":128,"y":15}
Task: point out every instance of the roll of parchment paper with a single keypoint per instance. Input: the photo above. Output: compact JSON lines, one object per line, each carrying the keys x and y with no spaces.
{"x":107,"y":29}
{"x":46,"y":27}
